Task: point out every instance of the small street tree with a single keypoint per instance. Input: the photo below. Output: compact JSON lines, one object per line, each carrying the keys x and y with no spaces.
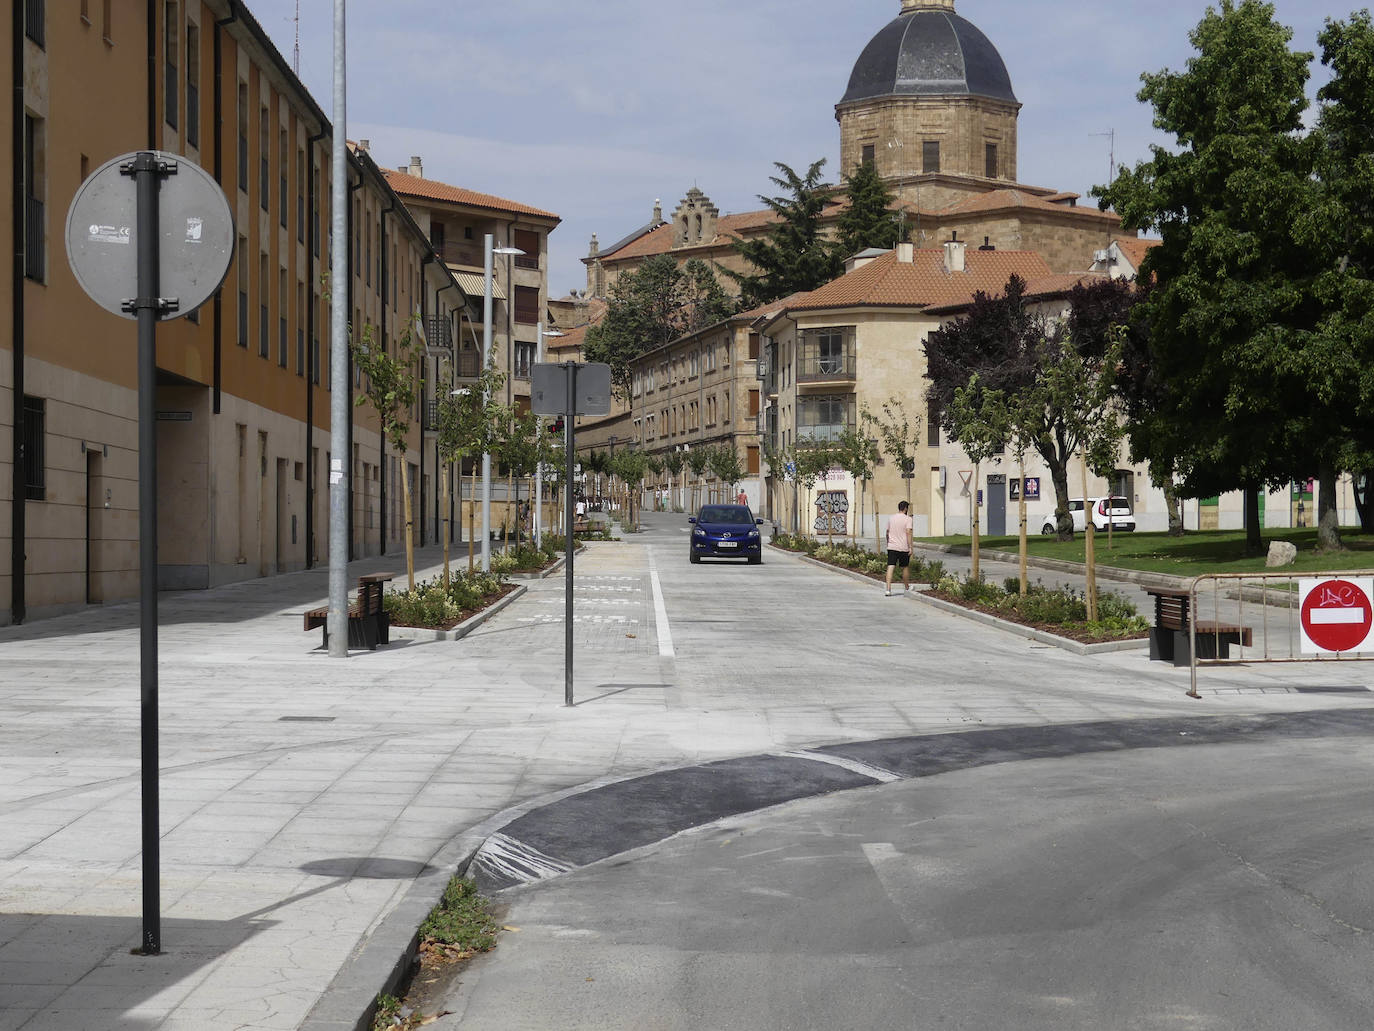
{"x":697,"y":460}
{"x":857,"y":453}
{"x":391,"y":386}
{"x":978,"y":418}
{"x":813,"y":460}
{"x":899,"y":440}
{"x":724,"y":461}
{"x":630,"y":464}
{"x":463,"y":433}
{"x":674,"y":462}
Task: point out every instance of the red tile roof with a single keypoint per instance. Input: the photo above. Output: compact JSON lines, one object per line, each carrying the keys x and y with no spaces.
{"x":924,"y":282}
{"x":1037,"y":288}
{"x":407,"y":185}
{"x":1001,"y":200}
{"x":1134,"y":249}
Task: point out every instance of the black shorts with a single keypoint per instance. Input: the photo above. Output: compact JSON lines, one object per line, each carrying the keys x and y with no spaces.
{"x":900,"y":559}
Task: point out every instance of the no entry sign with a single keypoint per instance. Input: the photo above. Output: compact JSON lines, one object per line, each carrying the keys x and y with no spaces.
{"x":1337,"y":615}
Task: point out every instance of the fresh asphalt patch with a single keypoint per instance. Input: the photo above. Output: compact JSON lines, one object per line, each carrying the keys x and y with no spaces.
{"x":593,"y":825}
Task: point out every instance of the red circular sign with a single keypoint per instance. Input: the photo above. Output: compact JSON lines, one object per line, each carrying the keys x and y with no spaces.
{"x":1337,"y":615}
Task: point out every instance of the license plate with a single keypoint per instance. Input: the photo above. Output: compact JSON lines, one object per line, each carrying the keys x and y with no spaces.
{"x":728,"y":544}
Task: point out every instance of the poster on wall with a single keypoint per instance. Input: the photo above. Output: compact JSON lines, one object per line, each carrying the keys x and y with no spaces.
{"x":1032,"y":488}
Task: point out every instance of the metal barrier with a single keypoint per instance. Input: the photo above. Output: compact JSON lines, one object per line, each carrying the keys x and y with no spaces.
{"x":1272,"y":617}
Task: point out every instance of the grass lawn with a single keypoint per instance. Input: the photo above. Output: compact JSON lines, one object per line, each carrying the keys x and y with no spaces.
{"x":1195,"y":553}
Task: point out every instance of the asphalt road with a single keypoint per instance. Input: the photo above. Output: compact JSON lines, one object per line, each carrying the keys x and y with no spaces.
{"x":1222,"y":886}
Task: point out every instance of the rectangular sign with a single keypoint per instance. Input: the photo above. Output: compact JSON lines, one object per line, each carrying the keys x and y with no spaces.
{"x":591,"y":388}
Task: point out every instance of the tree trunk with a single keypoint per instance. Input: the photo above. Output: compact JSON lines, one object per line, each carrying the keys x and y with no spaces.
{"x":409,"y":518}
{"x":1175,"y":509}
{"x":1059,"y":476}
{"x":1089,"y":556}
{"x":975,"y":518}
{"x":472,"y":516}
{"x":443,"y":503}
{"x":1364,"y":499}
{"x":1254,"y":537}
{"x":1021,"y":518}
{"x":1328,"y":513}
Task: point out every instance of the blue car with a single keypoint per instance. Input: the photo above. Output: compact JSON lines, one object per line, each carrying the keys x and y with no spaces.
{"x":726,"y":531}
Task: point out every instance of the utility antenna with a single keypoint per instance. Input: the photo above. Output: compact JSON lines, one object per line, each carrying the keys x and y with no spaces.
{"x":1111,"y":175}
{"x":296,"y":60}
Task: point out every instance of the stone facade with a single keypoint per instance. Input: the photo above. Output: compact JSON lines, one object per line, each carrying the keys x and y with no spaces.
{"x":893,"y":133}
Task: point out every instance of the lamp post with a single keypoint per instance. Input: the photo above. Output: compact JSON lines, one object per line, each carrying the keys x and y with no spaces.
{"x":540,"y":334}
{"x":490,"y":249}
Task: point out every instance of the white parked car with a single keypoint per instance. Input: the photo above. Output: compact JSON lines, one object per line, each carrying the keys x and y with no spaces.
{"x":1114,"y":510}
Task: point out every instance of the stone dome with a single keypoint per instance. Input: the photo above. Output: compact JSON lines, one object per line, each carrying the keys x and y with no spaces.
{"x":928,"y":50}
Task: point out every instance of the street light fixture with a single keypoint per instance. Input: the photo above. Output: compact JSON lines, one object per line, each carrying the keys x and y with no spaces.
{"x":490,"y":249}
{"x":541,"y":334}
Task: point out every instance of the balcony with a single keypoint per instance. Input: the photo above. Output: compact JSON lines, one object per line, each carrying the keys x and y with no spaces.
{"x":470,"y":254}
{"x":817,"y":366}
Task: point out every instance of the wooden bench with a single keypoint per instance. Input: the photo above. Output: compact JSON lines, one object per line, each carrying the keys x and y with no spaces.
{"x":1169,"y":638}
{"x":368,"y":625}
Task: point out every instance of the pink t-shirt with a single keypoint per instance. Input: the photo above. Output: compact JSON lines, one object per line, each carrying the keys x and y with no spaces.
{"x":899,"y":532}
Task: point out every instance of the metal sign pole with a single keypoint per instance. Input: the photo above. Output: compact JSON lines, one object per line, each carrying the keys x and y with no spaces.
{"x":570,"y":540}
{"x":147,"y":170}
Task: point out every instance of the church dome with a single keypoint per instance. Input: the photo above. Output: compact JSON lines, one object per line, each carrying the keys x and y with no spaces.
{"x":928,"y":50}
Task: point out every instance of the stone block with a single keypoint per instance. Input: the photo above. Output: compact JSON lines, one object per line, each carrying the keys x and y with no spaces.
{"x":1281,"y":553}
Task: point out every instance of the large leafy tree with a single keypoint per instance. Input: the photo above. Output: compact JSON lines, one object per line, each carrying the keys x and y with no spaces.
{"x":1337,"y":359}
{"x":796,"y":254}
{"x":869,"y":220}
{"x":654,"y":305}
{"x":1232,"y":287}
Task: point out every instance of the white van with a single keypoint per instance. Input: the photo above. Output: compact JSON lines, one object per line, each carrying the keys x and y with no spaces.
{"x":1116,"y":510}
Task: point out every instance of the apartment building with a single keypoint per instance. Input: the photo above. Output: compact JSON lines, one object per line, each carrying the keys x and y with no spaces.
{"x":244,"y":383}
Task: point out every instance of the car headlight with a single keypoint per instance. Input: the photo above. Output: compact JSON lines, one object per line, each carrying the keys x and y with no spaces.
{"x":753,"y":535}
{"x":698,"y":532}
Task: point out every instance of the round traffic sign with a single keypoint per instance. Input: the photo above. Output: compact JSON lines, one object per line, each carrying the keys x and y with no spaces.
{"x":1337,"y":615}
{"x":195,"y":235}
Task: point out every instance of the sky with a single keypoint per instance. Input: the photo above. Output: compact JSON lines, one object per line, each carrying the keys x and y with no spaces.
{"x":595,"y":110}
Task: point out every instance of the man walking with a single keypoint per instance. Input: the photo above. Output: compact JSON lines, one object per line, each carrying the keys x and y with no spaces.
{"x":899,"y":547}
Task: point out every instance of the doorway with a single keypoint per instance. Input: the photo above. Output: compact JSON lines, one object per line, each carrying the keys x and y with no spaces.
{"x":282,"y":537}
{"x":95,"y":519}
{"x":997,"y":504}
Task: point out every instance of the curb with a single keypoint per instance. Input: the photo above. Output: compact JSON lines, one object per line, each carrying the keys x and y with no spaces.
{"x":424,"y":634}
{"x":1043,"y":637}
{"x":1056,"y":565}
{"x":1063,"y":643}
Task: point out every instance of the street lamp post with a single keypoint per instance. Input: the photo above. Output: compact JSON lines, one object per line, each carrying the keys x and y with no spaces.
{"x":540,"y":334}
{"x":490,"y":249}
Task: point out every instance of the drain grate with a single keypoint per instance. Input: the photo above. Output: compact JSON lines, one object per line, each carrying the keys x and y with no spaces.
{"x":305,"y":719}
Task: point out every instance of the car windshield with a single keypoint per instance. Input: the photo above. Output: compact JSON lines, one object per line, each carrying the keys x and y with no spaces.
{"x":729,"y":514}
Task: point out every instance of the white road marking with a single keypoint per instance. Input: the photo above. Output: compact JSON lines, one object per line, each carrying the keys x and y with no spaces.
{"x":665,"y":633}
{"x":515,"y":859}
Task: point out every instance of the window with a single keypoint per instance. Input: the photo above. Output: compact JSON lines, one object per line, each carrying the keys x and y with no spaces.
{"x":930,"y":156}
{"x":933,"y":427}
{"x":282,"y":159}
{"x":106,"y":22}
{"x":192,"y":85}
{"x":243,"y":137}
{"x":281,"y":318}
{"x":300,"y":196}
{"x":35,"y":258}
{"x":170,"y":41}
{"x":264,"y":167}
{"x":990,"y":160}
{"x":34,"y":19}
{"x":243,"y":291}
{"x":824,"y":417}
{"x":34,"y":433}
{"x":692,"y":365}
{"x":524,"y":359}
{"x":264,"y":344}
{"x":300,"y":329}
{"x":867,"y":158}
{"x":527,"y":305}
{"x":529,"y":243}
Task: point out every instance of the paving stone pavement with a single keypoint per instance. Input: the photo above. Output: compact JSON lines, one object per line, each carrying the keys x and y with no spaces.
{"x":312,"y":808}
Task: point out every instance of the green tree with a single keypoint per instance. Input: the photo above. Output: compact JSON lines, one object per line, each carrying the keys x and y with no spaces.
{"x":795,"y":254}
{"x":651,"y":306}
{"x":724,"y":462}
{"x":697,"y":460}
{"x":813,"y":459}
{"x":868,"y":220}
{"x":391,"y":386}
{"x":978,"y":417}
{"x":898,"y":436}
{"x":1232,"y":296}
{"x":630,"y":464}
{"x":674,"y":462}
{"x":463,"y":432}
